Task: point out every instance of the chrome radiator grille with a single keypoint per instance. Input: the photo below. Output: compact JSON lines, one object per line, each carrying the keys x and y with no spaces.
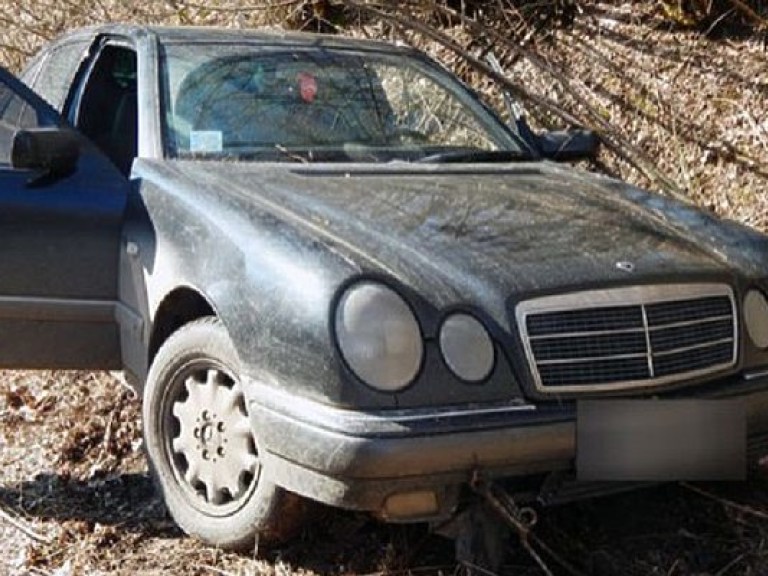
{"x":628,"y":337}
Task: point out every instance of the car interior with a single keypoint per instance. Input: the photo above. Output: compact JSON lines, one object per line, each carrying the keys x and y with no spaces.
{"x":278,"y":100}
{"x":108,"y":112}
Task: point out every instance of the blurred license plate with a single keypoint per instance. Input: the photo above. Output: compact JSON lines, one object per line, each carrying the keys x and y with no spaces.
{"x":661,"y":440}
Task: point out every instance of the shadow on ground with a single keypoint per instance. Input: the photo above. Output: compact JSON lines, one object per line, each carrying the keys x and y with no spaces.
{"x":125,"y":500}
{"x":668,"y":529}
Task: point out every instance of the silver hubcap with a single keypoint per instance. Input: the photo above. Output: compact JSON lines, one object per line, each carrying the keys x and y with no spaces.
{"x":213,"y":449}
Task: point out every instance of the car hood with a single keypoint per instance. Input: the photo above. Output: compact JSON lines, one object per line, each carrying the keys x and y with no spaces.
{"x":488,"y":233}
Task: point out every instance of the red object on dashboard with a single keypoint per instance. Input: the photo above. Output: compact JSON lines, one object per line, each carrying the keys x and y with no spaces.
{"x":307,"y":86}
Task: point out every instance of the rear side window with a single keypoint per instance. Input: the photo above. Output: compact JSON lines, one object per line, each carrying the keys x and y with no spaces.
{"x":57,"y":71}
{"x":15,"y":114}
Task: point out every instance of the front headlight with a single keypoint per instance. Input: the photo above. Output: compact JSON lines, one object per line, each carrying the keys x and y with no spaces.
{"x":379,"y":337}
{"x":756,"y":318}
{"x":467,"y":348}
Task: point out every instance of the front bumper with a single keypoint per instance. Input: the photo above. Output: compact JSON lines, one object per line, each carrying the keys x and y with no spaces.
{"x":359,"y":460}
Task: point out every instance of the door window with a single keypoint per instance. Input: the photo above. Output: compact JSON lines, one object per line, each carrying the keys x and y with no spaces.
{"x":108,"y":110}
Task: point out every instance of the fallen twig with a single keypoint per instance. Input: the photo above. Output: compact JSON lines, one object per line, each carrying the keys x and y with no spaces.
{"x":437,"y":569}
{"x":522,"y":521}
{"x":730,"y":565}
{"x":23,"y":527}
{"x":215,"y":570}
{"x":725,"y":502}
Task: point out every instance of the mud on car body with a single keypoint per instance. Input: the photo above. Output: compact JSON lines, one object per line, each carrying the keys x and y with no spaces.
{"x":335,"y":275}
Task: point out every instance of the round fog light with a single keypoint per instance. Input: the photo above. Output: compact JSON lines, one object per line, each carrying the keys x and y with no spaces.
{"x":467,"y":348}
{"x":756,"y":318}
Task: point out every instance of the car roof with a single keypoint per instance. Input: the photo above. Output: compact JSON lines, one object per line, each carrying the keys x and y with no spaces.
{"x":205,"y":34}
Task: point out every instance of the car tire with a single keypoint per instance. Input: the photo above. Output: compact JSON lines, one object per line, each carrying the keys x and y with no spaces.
{"x":202,"y":453}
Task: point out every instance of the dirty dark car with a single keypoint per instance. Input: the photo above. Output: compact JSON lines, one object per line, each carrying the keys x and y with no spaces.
{"x":335,"y":275}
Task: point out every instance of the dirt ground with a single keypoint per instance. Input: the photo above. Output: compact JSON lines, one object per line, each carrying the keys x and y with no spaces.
{"x":75,"y":497}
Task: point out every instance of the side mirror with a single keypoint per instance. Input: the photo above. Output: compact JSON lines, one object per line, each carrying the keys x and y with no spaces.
{"x":53,"y":151}
{"x":564,"y":146}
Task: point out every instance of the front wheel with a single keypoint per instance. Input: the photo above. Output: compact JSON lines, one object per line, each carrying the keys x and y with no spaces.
{"x":203,"y":456}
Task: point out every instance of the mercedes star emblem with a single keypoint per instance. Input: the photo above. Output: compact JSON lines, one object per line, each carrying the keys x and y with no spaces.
{"x":626,"y":266}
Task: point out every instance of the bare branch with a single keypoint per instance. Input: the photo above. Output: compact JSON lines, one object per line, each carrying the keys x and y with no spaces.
{"x":610,"y":136}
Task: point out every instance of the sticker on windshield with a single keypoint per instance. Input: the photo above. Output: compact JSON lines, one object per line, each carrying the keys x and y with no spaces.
{"x":206,"y":141}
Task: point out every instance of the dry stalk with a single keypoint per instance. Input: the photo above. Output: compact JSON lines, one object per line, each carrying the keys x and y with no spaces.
{"x":22,"y":527}
{"x":747,"y":11}
{"x":265,"y":7}
{"x":215,"y":570}
{"x":725,"y":502}
{"x":725,"y":569}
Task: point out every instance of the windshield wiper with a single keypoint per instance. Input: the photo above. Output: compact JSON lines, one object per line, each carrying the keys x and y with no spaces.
{"x":457,"y":156}
{"x":304,"y":158}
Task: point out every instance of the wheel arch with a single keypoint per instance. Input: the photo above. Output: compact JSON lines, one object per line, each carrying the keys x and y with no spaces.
{"x":180,"y":306}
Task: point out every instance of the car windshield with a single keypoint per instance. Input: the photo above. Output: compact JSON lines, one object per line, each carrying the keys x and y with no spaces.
{"x":247,"y":102}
